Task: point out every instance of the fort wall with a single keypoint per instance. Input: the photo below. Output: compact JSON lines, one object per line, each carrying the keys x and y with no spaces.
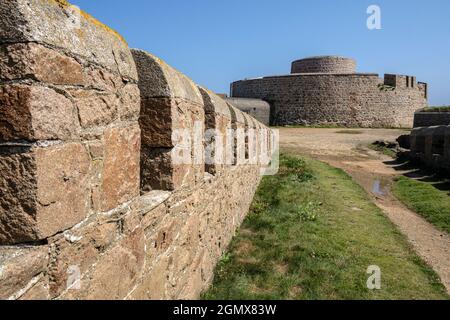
{"x":94,"y":203}
{"x":353,"y":100}
{"x":328,"y":91}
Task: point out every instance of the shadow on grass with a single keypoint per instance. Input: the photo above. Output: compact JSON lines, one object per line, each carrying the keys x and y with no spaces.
{"x":420,"y":173}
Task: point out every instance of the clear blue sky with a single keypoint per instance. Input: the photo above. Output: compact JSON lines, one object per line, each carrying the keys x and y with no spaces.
{"x":216,"y":42}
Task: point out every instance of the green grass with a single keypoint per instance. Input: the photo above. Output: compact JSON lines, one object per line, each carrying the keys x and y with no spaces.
{"x":334,"y":126}
{"x":312,"y":126}
{"x":312,"y":232}
{"x":437,"y":109}
{"x":349,"y":132}
{"x":382,"y":149}
{"x":423,"y":198}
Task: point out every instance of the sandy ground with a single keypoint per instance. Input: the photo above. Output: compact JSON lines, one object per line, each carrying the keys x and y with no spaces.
{"x":375,"y":173}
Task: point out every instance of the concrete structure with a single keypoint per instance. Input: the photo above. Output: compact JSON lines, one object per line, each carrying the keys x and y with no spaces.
{"x":328,"y":91}
{"x":95,"y":203}
{"x":257,"y":108}
{"x":423,"y":118}
{"x":431,"y":146}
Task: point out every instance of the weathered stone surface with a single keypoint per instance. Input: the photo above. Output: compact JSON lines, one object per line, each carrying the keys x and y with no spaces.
{"x":18,"y":185}
{"x":130,"y":102}
{"x":159,"y":80}
{"x":18,"y":267}
{"x":116,"y":273}
{"x":40,"y":291}
{"x":35,"y":113}
{"x":95,"y":109}
{"x":170,"y":101}
{"x":59,"y":24}
{"x":79,"y":250}
{"x":62,"y":189}
{"x":44,"y":191}
{"x":326,"y":64}
{"x":34,"y":61}
{"x":96,"y":150}
{"x":158,"y":172}
{"x":151,"y":200}
{"x":195,"y":283}
{"x":121,"y":166}
{"x":154,"y":286}
{"x":168,"y":159}
{"x":102,"y":79}
{"x":172,"y":122}
{"x":156,"y":123}
{"x":217,"y":124}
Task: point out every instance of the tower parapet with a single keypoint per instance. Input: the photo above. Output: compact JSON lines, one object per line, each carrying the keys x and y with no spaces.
{"x":324,"y":64}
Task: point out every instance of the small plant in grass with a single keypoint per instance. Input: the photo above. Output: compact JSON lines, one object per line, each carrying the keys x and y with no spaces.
{"x":308,"y":211}
{"x":350,"y":132}
{"x":386,"y":148}
{"x":295,"y":169}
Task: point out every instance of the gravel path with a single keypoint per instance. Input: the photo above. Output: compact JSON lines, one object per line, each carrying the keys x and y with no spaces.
{"x":373,"y":172}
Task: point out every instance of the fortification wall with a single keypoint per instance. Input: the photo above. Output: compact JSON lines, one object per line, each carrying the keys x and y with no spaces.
{"x":353,"y":100}
{"x":95,"y":203}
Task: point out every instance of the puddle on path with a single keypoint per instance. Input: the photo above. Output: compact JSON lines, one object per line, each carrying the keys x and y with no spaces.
{"x":378,"y":188}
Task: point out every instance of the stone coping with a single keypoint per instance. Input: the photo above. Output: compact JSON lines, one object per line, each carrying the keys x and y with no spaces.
{"x":313,"y":74}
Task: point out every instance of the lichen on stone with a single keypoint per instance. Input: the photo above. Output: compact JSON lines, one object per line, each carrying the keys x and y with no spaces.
{"x":66,"y":4}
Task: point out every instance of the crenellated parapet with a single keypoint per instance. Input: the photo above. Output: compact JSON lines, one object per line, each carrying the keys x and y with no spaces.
{"x":113,"y":182}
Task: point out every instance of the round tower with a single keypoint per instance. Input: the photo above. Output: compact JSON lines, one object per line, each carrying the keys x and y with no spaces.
{"x":325,"y":64}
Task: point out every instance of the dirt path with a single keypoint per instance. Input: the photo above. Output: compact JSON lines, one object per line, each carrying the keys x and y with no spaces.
{"x":370,"y":169}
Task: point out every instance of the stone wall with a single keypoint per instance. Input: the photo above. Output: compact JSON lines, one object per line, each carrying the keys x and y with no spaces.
{"x":353,"y":100}
{"x":428,"y":119}
{"x":94,"y":204}
{"x":431,"y":146}
{"x":257,"y":108}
